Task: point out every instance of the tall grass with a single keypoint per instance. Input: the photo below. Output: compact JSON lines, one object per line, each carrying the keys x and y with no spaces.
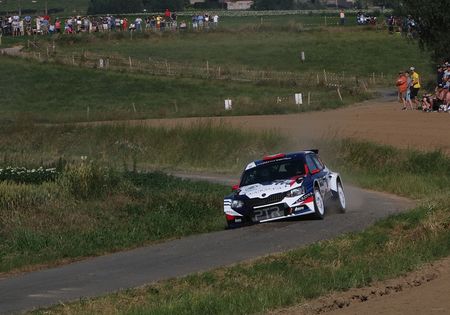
{"x":202,"y":145}
{"x":90,"y":210}
{"x":410,"y":173}
{"x":391,"y":247}
{"x":101,"y":201}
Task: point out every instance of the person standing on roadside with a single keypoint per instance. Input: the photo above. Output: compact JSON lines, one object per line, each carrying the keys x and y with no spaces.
{"x":342,"y":17}
{"x":402,"y":86}
{"x":415,"y":85}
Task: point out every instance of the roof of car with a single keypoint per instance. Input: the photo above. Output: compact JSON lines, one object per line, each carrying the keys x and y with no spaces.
{"x":280,"y":157}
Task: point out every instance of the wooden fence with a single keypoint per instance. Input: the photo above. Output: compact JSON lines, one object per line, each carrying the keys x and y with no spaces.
{"x":206,"y":70}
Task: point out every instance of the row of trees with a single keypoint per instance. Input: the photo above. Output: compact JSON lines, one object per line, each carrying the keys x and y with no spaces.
{"x":133,"y":6}
{"x":433,"y":21}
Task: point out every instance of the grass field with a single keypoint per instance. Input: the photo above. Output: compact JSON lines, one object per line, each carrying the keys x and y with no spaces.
{"x":99,"y":203}
{"x":391,"y":247}
{"x":79,"y":94}
{"x":68,"y":93}
{"x":265,"y":48}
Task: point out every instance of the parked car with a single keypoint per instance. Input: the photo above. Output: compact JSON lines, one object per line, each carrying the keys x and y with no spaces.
{"x":365,"y":19}
{"x":282,"y":186}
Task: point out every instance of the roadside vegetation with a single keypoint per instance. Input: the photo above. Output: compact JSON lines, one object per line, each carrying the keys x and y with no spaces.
{"x":201,"y":145}
{"x":96,"y":198}
{"x":390,"y":248}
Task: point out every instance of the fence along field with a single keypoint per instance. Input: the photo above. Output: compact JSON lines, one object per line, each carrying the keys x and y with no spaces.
{"x":208,"y":71}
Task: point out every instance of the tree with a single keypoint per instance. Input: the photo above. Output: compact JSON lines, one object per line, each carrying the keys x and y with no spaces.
{"x":273,"y":4}
{"x":115,"y":6}
{"x":432,"y":17}
{"x":161,"y":5}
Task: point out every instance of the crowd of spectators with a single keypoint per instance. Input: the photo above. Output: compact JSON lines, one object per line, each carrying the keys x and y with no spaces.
{"x":42,"y":25}
{"x":407,"y":26}
{"x":408,"y":85}
{"x":439,"y":99}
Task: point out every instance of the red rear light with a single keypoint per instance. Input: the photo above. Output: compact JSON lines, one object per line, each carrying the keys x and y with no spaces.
{"x":273,"y":157}
{"x":229,"y":217}
{"x":306,"y":169}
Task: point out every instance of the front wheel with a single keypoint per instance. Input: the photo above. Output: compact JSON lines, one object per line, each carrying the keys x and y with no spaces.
{"x":319,"y":207}
{"x":339,"y":198}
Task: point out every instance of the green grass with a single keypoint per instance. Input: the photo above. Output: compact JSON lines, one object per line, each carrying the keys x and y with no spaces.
{"x":90,"y":210}
{"x":410,"y":173}
{"x":56,"y":93}
{"x":265,"y":48}
{"x":99,"y":204}
{"x":204,"y":145}
{"x":391,"y":247}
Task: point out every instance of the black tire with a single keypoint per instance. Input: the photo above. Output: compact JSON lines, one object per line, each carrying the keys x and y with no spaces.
{"x":339,"y":198}
{"x":319,"y":205}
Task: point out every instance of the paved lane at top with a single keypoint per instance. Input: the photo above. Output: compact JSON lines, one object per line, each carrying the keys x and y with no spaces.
{"x":98,"y":276}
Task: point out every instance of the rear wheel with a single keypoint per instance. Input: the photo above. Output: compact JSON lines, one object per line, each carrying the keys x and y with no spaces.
{"x":319,"y":207}
{"x":339,"y":197}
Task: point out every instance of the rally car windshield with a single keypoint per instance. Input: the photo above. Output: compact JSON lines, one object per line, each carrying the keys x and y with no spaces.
{"x":272,"y":171}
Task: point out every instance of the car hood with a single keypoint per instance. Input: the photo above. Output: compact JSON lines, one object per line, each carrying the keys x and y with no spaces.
{"x":266,"y":189}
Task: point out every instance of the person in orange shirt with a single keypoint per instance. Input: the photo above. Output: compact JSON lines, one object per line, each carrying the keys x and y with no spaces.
{"x":402,"y":87}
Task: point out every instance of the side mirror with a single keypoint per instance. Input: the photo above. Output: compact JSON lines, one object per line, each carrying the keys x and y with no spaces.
{"x":235,"y":187}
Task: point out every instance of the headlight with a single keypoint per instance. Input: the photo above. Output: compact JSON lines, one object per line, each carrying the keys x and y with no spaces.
{"x":237,"y":204}
{"x":296,"y":192}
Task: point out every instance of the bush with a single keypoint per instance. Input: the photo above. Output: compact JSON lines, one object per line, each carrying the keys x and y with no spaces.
{"x":23,"y":196}
{"x":28,"y":176}
{"x":88,"y":180}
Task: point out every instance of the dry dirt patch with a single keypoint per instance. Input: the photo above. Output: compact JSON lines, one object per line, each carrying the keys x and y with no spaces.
{"x":377,"y":121}
{"x":425,"y":291}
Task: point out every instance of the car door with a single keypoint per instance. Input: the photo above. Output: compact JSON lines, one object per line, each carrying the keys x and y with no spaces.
{"x":325,"y":175}
{"x":317,"y":173}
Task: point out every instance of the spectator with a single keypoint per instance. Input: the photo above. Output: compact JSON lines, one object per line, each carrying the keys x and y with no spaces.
{"x":402,"y":86}
{"x":342,"y":17}
{"x":408,"y":90}
{"x":415,"y":86}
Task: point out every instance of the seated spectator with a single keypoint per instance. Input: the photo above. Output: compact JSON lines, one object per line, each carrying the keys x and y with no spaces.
{"x":183,"y":26}
{"x":427,"y":102}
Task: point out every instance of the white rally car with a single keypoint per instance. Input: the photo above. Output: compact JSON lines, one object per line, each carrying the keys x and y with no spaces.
{"x":282,"y":186}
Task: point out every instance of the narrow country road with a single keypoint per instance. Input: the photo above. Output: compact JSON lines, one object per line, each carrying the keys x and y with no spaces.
{"x":101,"y":275}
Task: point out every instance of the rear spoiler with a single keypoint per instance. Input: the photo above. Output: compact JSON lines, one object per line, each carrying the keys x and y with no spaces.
{"x":316,"y":151}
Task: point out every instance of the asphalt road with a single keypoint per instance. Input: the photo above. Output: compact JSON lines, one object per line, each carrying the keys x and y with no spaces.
{"x":98,"y":276}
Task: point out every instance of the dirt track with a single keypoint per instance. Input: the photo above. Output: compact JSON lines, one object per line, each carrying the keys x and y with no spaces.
{"x":378,"y":121}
